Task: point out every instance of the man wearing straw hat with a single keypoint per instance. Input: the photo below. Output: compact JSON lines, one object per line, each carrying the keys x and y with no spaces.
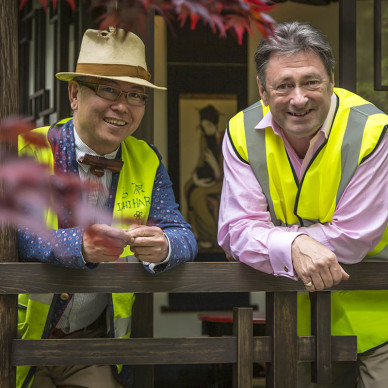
{"x":107,"y":93}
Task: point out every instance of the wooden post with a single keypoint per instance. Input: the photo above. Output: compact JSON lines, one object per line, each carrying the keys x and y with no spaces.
{"x":243,"y":330}
{"x":321,"y":329}
{"x":281,"y":314}
{"x":348,"y":45}
{"x":146,"y":128}
{"x":143,"y":327}
{"x":9,"y":105}
{"x":62,"y":59}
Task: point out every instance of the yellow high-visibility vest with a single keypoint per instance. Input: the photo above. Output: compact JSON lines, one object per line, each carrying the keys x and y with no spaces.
{"x":358,"y":127}
{"x":132,"y":202}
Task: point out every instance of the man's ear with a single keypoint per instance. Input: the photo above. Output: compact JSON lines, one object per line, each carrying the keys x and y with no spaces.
{"x":263,"y":93}
{"x":73,"y":89}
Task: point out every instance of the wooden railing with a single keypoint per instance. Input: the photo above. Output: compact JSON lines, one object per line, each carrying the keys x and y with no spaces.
{"x":280,"y":349}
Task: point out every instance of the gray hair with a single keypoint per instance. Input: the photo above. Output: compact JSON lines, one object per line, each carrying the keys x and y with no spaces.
{"x":291,"y":38}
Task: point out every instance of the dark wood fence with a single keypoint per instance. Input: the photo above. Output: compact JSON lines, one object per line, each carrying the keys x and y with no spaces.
{"x":280,"y":349}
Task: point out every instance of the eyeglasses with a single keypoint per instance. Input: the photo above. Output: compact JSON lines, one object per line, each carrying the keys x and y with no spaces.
{"x":113,"y":94}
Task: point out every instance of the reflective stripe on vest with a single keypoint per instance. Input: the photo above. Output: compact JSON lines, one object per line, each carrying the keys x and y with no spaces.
{"x":357,"y":130}
{"x":122,"y":321}
{"x":132,"y":203}
{"x":314,"y":199}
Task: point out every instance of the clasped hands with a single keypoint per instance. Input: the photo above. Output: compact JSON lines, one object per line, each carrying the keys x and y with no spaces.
{"x":316,"y":265}
{"x":104,"y":243}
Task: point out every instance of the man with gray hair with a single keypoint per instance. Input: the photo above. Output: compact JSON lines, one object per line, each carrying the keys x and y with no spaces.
{"x":306,"y":188}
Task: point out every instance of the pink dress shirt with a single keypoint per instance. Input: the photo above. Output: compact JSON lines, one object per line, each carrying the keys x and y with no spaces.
{"x":245,"y":230}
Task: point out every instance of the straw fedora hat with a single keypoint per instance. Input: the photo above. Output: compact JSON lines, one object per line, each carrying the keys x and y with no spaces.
{"x":112,"y":55}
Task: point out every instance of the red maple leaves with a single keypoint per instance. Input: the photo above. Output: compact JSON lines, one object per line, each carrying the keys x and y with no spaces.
{"x":44,"y":3}
{"x":29,"y":189}
{"x":222,"y":16}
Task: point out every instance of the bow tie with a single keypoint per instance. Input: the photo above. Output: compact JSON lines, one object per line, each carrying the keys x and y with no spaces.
{"x":98,"y":164}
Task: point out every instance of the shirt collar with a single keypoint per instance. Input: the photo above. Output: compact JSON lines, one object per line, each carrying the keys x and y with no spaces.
{"x":267,"y":120}
{"x":81,"y":149}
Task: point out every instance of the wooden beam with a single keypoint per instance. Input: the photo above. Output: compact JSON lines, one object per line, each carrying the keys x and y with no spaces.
{"x":134,"y":351}
{"x":343,"y":348}
{"x":191,"y":277}
{"x":146,"y":128}
{"x":61,"y":58}
{"x":137,"y":351}
{"x":347,"y":45}
{"x":9,"y":105}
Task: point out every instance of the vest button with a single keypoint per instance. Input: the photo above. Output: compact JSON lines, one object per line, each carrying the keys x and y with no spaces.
{"x":64,"y":296}
{"x":285,"y":268}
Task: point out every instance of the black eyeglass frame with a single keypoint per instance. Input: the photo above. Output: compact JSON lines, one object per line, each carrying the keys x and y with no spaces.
{"x":95,"y":85}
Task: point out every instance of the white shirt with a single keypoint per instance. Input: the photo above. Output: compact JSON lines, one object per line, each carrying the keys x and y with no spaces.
{"x":84,"y":309}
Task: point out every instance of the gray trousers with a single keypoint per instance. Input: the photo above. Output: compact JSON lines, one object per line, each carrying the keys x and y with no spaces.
{"x":369,"y":371}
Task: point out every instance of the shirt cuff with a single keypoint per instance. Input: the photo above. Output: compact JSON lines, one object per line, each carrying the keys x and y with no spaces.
{"x":279,"y":249}
{"x":151,"y":266}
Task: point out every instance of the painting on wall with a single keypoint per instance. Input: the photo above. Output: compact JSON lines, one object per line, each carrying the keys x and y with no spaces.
{"x":380,"y":45}
{"x":202,"y":124}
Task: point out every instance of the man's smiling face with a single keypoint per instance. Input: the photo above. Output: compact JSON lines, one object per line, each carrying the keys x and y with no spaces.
{"x":100,"y":123}
{"x":298,"y":91}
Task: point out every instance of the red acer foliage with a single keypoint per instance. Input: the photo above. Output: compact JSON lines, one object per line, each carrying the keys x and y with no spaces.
{"x":222,"y":16}
{"x":44,"y":3}
{"x":12,"y":127}
{"x":29,"y":188}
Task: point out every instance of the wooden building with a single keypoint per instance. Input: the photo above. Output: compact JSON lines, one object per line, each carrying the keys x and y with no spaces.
{"x":197,"y":67}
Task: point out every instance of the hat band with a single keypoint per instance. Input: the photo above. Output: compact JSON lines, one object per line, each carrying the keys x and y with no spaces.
{"x":107,"y":70}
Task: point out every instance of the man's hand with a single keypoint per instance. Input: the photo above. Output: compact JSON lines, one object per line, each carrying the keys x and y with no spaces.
{"x":316,"y":265}
{"x":148,"y":243}
{"x":103,"y":243}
